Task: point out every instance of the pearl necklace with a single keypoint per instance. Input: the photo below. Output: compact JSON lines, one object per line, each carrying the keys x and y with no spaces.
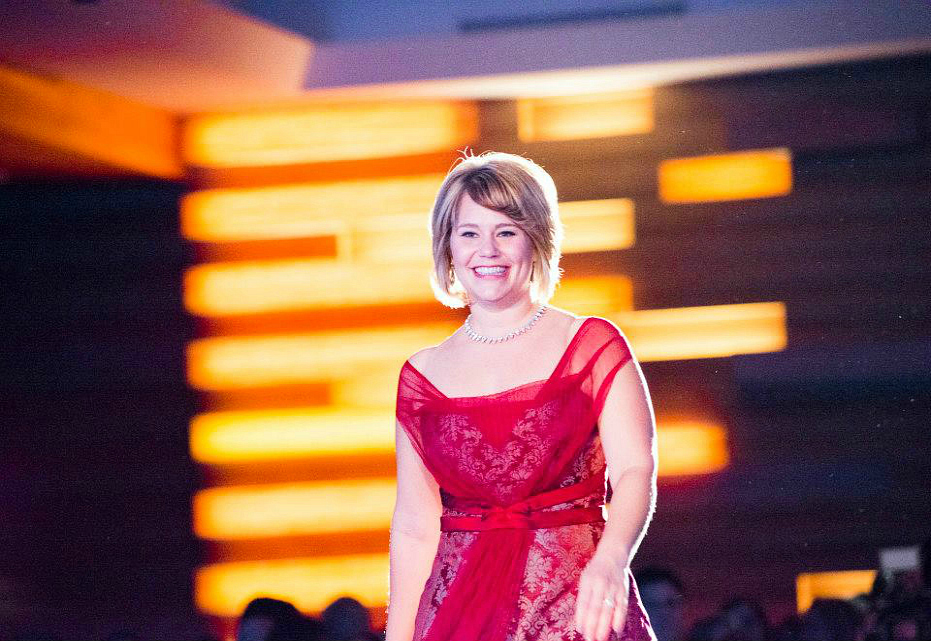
{"x":475,"y":336}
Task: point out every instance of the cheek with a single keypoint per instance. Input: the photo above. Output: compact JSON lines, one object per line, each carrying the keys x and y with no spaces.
{"x":456,"y":251}
{"x":526,"y":250}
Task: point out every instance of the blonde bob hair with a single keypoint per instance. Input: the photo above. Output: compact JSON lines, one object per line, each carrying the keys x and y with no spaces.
{"x":514,"y":186}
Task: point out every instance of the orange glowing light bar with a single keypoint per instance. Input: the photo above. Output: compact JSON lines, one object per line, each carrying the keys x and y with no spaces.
{"x":373,"y":387}
{"x":691,"y":447}
{"x":78,"y":128}
{"x":598,"y":225}
{"x":303,"y":210}
{"x":831,"y":585}
{"x":254,"y":287}
{"x":711,"y":331}
{"x":595,"y":295}
{"x":328,"y":133}
{"x":663,"y":334}
{"x":396,"y":230}
{"x":326,"y":507}
{"x":256,"y":361}
{"x":586,"y":116}
{"x":274,"y":434}
{"x":224,"y":589}
{"x":270,"y":435}
{"x":735,"y":176}
{"x":287,"y":509}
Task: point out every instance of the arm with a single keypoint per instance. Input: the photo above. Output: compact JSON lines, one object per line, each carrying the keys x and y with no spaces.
{"x":415,"y":535}
{"x":628,"y":436}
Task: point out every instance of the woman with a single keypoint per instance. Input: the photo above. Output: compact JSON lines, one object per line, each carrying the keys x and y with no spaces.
{"x":504,"y":433}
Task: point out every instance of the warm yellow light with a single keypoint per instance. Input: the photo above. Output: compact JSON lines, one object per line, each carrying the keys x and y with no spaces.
{"x":376,"y":387}
{"x":304,"y":210}
{"x":595,"y":295}
{"x":224,"y":589}
{"x":320,"y":507}
{"x":328,"y":133}
{"x":711,"y":331}
{"x":735,"y":176}
{"x":254,"y":287}
{"x":831,"y":585}
{"x":588,"y":116}
{"x":256,"y":361}
{"x":375,"y":220}
{"x":272,"y":434}
{"x":662,"y":334}
{"x":598,"y":225}
{"x":691,"y":447}
{"x":326,"y":507}
{"x":52,"y":122}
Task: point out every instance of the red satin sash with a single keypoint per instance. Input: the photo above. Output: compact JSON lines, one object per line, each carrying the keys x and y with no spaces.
{"x":528,"y":513}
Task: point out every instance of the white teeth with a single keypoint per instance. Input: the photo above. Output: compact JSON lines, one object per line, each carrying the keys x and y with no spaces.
{"x":487,"y":271}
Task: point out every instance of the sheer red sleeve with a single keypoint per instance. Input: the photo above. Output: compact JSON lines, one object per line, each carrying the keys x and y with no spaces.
{"x":413,"y":394}
{"x":610,"y":351}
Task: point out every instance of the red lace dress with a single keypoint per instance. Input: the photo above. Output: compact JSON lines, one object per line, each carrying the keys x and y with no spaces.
{"x":522,"y":481}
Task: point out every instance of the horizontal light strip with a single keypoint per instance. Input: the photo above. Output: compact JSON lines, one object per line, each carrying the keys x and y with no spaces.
{"x":322,"y":507}
{"x":269,"y":435}
{"x":397,"y":230}
{"x":585,"y":116}
{"x":256,"y":287}
{"x":255,"y":361}
{"x":328,"y":133}
{"x":831,"y":585}
{"x":598,"y":225}
{"x":262,"y":435}
{"x":311,"y":584}
{"x":304,"y":210}
{"x":326,"y":507}
{"x":663,"y":334}
{"x":691,"y":447}
{"x":736,"y":176}
{"x":712,"y":331}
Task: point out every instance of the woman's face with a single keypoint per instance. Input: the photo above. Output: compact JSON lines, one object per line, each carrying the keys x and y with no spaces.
{"x":485,"y":238}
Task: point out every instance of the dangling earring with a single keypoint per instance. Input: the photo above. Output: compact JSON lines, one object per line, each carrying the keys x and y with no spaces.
{"x":533,"y":267}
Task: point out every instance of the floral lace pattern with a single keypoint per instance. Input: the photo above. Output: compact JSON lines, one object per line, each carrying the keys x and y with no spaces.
{"x":449,"y":557}
{"x":464,"y":443}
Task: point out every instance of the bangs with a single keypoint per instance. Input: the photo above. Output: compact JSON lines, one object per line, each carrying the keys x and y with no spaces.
{"x":488,"y":188}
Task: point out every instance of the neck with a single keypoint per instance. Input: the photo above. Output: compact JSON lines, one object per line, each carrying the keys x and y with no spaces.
{"x":495,"y":321}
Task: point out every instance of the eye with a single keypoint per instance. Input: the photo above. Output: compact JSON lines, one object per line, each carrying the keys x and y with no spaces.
{"x":507,"y":231}
{"x":466,"y":233}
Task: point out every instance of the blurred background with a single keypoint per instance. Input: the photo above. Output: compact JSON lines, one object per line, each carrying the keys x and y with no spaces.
{"x":214,"y":262}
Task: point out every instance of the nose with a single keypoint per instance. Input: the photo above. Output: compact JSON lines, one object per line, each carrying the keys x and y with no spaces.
{"x":489,"y":247}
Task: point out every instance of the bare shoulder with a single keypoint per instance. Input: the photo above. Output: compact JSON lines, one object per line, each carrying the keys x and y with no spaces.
{"x":421,"y":358}
{"x":571,"y":322}
{"x":427,"y":357}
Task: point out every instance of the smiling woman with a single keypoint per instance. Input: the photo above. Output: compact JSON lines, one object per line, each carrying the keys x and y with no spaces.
{"x":492,"y":209}
{"x":498,"y":530}
{"x":491,"y":251}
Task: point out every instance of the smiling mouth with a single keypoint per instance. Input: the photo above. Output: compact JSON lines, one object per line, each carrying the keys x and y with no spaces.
{"x":482,"y":272}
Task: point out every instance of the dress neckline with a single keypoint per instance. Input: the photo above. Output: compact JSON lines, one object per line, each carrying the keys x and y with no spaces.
{"x":559,"y":363}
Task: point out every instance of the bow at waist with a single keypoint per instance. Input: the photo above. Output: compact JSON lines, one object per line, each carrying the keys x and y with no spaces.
{"x":529,"y":513}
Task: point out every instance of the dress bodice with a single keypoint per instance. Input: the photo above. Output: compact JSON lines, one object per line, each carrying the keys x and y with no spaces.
{"x":522,"y":481}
